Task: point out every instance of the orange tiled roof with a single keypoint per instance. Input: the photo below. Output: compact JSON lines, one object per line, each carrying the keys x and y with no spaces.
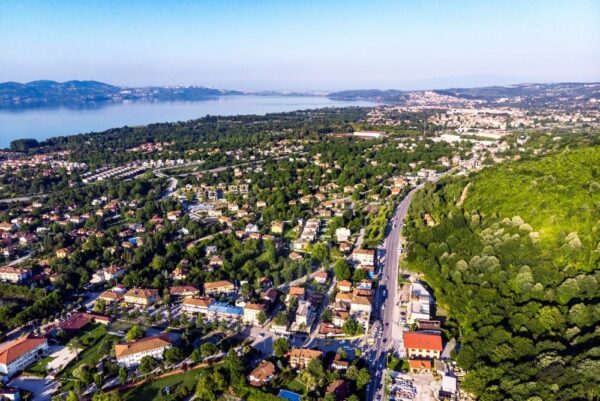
{"x":145,"y":344}
{"x":12,"y":350}
{"x":427,"y":341}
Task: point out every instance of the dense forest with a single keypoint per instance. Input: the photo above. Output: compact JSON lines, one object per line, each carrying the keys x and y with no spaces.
{"x":513,"y":253}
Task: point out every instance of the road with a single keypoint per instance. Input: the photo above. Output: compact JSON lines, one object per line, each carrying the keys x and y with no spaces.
{"x":392,"y":332}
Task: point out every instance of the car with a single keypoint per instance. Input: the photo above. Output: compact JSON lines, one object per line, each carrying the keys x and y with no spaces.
{"x":385,"y":340}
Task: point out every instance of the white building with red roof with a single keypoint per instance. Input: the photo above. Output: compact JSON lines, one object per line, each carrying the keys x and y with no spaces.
{"x":16,"y":355}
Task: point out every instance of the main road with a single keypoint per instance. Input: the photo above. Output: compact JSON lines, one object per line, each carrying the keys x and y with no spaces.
{"x":386,"y":310}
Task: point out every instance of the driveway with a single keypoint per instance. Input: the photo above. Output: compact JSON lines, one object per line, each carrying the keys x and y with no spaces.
{"x":42,"y":389}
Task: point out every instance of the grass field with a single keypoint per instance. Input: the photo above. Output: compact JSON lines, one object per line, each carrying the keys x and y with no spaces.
{"x":39,"y":368}
{"x":152,"y":391}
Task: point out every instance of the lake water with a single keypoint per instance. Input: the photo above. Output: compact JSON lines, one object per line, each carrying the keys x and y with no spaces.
{"x":43,"y":123}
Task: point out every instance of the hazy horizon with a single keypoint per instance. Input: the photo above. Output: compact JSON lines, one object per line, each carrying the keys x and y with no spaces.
{"x":308,"y":46}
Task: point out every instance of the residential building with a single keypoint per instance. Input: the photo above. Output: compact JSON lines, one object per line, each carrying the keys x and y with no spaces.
{"x":262,"y":374}
{"x":342,"y":234}
{"x":18,"y":354}
{"x":419,"y":304}
{"x":422,"y":345}
{"x":363,"y":257}
{"x":130,"y":354}
{"x":321,"y":277}
{"x":300,"y":357}
{"x":179,"y":291}
{"x":252,"y":312}
{"x":219,"y":287}
{"x":141,"y":296}
{"x":196,"y":305}
{"x":14,"y":274}
{"x":344,"y":286}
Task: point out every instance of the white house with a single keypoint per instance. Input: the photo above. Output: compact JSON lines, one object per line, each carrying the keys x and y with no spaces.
{"x":130,"y":354}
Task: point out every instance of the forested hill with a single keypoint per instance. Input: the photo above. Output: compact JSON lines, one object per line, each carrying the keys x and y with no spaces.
{"x":514,"y":255}
{"x":90,"y":93}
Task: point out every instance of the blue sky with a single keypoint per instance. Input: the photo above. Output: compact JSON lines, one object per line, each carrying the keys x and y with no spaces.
{"x":301,"y":45}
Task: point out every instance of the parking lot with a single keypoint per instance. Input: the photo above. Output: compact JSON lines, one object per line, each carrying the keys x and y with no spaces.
{"x":42,"y":389}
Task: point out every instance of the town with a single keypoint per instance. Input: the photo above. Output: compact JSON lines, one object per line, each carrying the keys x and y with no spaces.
{"x":277,"y":268}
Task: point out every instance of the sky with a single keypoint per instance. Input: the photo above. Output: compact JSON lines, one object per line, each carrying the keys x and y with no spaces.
{"x":301,"y":45}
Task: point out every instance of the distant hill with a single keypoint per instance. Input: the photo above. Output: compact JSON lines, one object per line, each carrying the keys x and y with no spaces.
{"x":89,"y":93}
{"x":523,"y":95}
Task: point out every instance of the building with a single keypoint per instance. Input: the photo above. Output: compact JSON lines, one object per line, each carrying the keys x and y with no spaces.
{"x":196,"y":305}
{"x":277,"y":227}
{"x":141,"y":296}
{"x":419,"y":365}
{"x":18,"y":354}
{"x":344,"y":286}
{"x":110,"y":296}
{"x":321,"y":277}
{"x":130,"y":354}
{"x":179,"y":291}
{"x":340,"y":388}
{"x":104,"y":275}
{"x":262,"y":374}
{"x":301,"y":357}
{"x":363,"y":257}
{"x":419,"y":304}
{"x":252,"y":312}
{"x":14,"y":274}
{"x":342,"y":234}
{"x":422,"y":345}
{"x":219,"y":287}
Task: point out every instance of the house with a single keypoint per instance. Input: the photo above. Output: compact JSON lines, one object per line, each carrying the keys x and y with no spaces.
{"x":321,"y":277}
{"x":179,"y":273}
{"x":363,"y":257}
{"x":7,"y":227}
{"x":262,"y":374}
{"x":300,"y":357}
{"x":339,"y":364}
{"x":110,"y":296}
{"x":62,"y":253}
{"x":419,"y":304}
{"x":340,"y":388}
{"x":345,"y":246}
{"x":14,"y":274}
{"x":329,"y":330}
{"x":252,"y":312}
{"x":216,"y":261}
{"x":141,"y":296}
{"x":419,"y":365}
{"x":295,"y":292}
{"x":295,"y":256}
{"x":196,"y":305}
{"x":104,"y":275}
{"x":422,"y":345}
{"x":179,"y":291}
{"x":219,"y":287}
{"x":173,"y":215}
{"x":277,"y":227}
{"x":18,"y":354}
{"x":130,"y":354}
{"x":342,"y":234}
{"x":344,"y":286}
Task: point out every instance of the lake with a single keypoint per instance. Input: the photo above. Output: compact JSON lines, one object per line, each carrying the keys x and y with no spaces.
{"x":43,"y":123}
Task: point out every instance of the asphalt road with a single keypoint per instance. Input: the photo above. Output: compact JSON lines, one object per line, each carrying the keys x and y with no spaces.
{"x":386,"y":298}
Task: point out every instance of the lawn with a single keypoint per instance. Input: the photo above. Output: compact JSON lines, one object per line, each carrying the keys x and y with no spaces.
{"x":152,"y":391}
{"x":39,"y":368}
{"x":94,"y":341}
{"x":296,"y":385}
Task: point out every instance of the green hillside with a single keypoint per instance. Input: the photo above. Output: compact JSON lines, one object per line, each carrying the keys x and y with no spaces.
{"x":515,"y":258}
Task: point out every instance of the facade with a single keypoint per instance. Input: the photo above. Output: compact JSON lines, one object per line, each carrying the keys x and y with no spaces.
{"x":130,"y":355}
{"x":419,"y":305}
{"x":104,"y":275}
{"x":141,"y":296}
{"x":219,"y":287}
{"x":251,"y":312}
{"x":196,"y":305}
{"x":18,"y":354}
{"x":14,"y":274}
{"x":422,"y":345}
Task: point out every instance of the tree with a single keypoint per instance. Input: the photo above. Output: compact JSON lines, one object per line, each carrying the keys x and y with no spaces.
{"x":72,"y":396}
{"x":341,"y":268}
{"x":280,"y":319}
{"x":134,"y":333}
{"x":122,"y":375}
{"x":281,"y":346}
{"x":100,"y":306}
{"x":148,"y":364}
{"x":363,"y":378}
{"x":173,"y":355}
{"x":75,"y":346}
{"x":261,"y":317}
{"x":233,"y":366}
{"x":208,"y":349}
{"x":327,"y":316}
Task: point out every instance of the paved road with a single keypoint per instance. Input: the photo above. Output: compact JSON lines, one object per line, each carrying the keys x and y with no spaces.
{"x":392,"y":333}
